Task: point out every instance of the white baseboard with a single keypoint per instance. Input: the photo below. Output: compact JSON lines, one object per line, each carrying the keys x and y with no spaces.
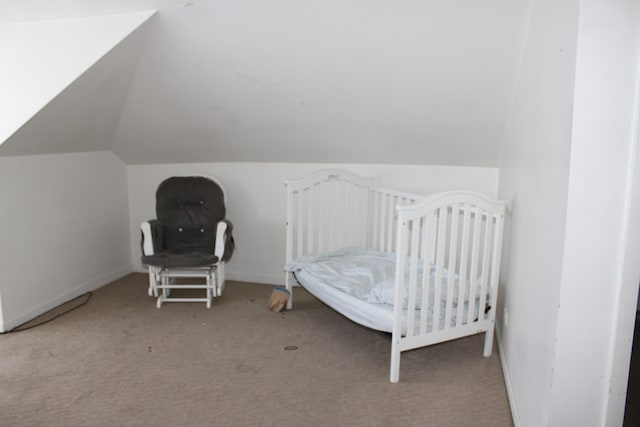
{"x":254,"y":278}
{"x":8,"y":325}
{"x":507,"y":380}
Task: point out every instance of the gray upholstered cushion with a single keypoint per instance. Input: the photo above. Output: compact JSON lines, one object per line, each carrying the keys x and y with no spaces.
{"x":189,"y":209}
{"x":174,"y":259}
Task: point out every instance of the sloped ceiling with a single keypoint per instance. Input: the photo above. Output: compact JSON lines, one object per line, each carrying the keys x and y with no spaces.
{"x":84,"y":116}
{"x":419,"y":82}
{"x":40,"y":62}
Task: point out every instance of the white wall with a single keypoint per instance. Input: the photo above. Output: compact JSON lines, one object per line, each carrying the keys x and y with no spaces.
{"x":570,"y":166}
{"x":534,"y":175}
{"x":597,"y":234}
{"x":65,"y":230}
{"x":256,"y":202}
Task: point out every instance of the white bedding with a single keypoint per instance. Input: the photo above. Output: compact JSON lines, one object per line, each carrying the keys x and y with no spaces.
{"x":360,"y":284}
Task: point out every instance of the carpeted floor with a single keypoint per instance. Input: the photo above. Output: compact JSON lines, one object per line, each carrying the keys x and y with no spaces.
{"x":117,"y":360}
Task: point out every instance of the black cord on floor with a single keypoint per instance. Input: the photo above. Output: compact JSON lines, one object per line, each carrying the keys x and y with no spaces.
{"x":20,"y":328}
{"x":296,"y":277}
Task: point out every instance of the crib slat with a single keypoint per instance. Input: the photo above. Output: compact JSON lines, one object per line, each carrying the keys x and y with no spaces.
{"x":440,"y":251}
{"x":376,"y":220}
{"x":413,"y":275}
{"x":396,"y":341}
{"x":290,"y":202}
{"x":337,"y":212}
{"x":322,"y":218}
{"x":300,"y":224}
{"x":486,"y":255}
{"x":383,"y":220}
{"x":330,"y":212}
{"x":390,"y":224}
{"x":495,"y":260}
{"x":373,"y":215}
{"x":367,"y":197}
{"x":349,"y":196}
{"x":365,"y":204}
{"x":337,"y":226}
{"x":464,"y":252}
{"x":346,"y":197}
{"x":453,"y":254}
{"x":309,"y":224}
{"x":473,"y":272}
{"x":428,"y":242}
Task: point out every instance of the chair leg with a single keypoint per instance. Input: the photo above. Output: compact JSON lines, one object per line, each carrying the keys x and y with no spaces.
{"x":166,"y":280}
{"x":151,"y":281}
{"x":219,"y":278}
{"x":165,"y":291}
{"x":210,"y":290}
{"x":154,"y":279}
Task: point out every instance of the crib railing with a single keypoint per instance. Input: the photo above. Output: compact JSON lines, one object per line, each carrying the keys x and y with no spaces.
{"x":383,"y":217}
{"x":447,"y":265}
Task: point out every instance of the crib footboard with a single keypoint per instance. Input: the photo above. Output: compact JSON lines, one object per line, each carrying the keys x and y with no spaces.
{"x":448,"y":253}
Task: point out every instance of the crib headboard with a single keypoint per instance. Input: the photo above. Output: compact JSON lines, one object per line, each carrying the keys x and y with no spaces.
{"x":333,"y":208}
{"x":327,"y":210}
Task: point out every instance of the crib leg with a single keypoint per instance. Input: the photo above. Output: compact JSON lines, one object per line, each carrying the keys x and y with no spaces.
{"x":287,"y":285}
{"x":488,"y":342}
{"x":394,"y":375}
{"x":290,"y":302}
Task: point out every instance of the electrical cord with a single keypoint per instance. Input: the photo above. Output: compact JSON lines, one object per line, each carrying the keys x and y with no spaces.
{"x":87,"y":296}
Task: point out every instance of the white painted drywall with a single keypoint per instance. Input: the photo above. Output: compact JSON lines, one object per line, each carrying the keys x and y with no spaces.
{"x":601,"y":167}
{"x":65,"y":229}
{"x":256,"y":202}
{"x":570,"y":166}
{"x":38,"y":60}
{"x":333,"y":82}
{"x":534,"y":174}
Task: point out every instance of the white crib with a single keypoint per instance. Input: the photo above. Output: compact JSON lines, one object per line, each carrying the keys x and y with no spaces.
{"x":443,"y":251}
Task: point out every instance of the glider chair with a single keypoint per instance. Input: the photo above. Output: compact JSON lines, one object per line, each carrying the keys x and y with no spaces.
{"x":188,"y":244}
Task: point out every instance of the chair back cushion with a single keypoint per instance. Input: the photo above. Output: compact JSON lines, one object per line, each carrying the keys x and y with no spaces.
{"x":189,"y":208}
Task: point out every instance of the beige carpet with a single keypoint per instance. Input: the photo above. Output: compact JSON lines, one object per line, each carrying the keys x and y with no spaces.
{"x":120,"y":361}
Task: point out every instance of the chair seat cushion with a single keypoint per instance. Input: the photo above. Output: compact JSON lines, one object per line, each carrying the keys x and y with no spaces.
{"x":179,"y":259}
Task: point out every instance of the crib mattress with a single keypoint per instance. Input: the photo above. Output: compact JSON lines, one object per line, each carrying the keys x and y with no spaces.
{"x":359,"y":284}
{"x":371,"y":315}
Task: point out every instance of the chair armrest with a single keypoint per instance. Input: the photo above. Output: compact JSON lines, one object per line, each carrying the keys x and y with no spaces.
{"x":221,"y":239}
{"x":224,"y":245}
{"x":151,"y":236}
